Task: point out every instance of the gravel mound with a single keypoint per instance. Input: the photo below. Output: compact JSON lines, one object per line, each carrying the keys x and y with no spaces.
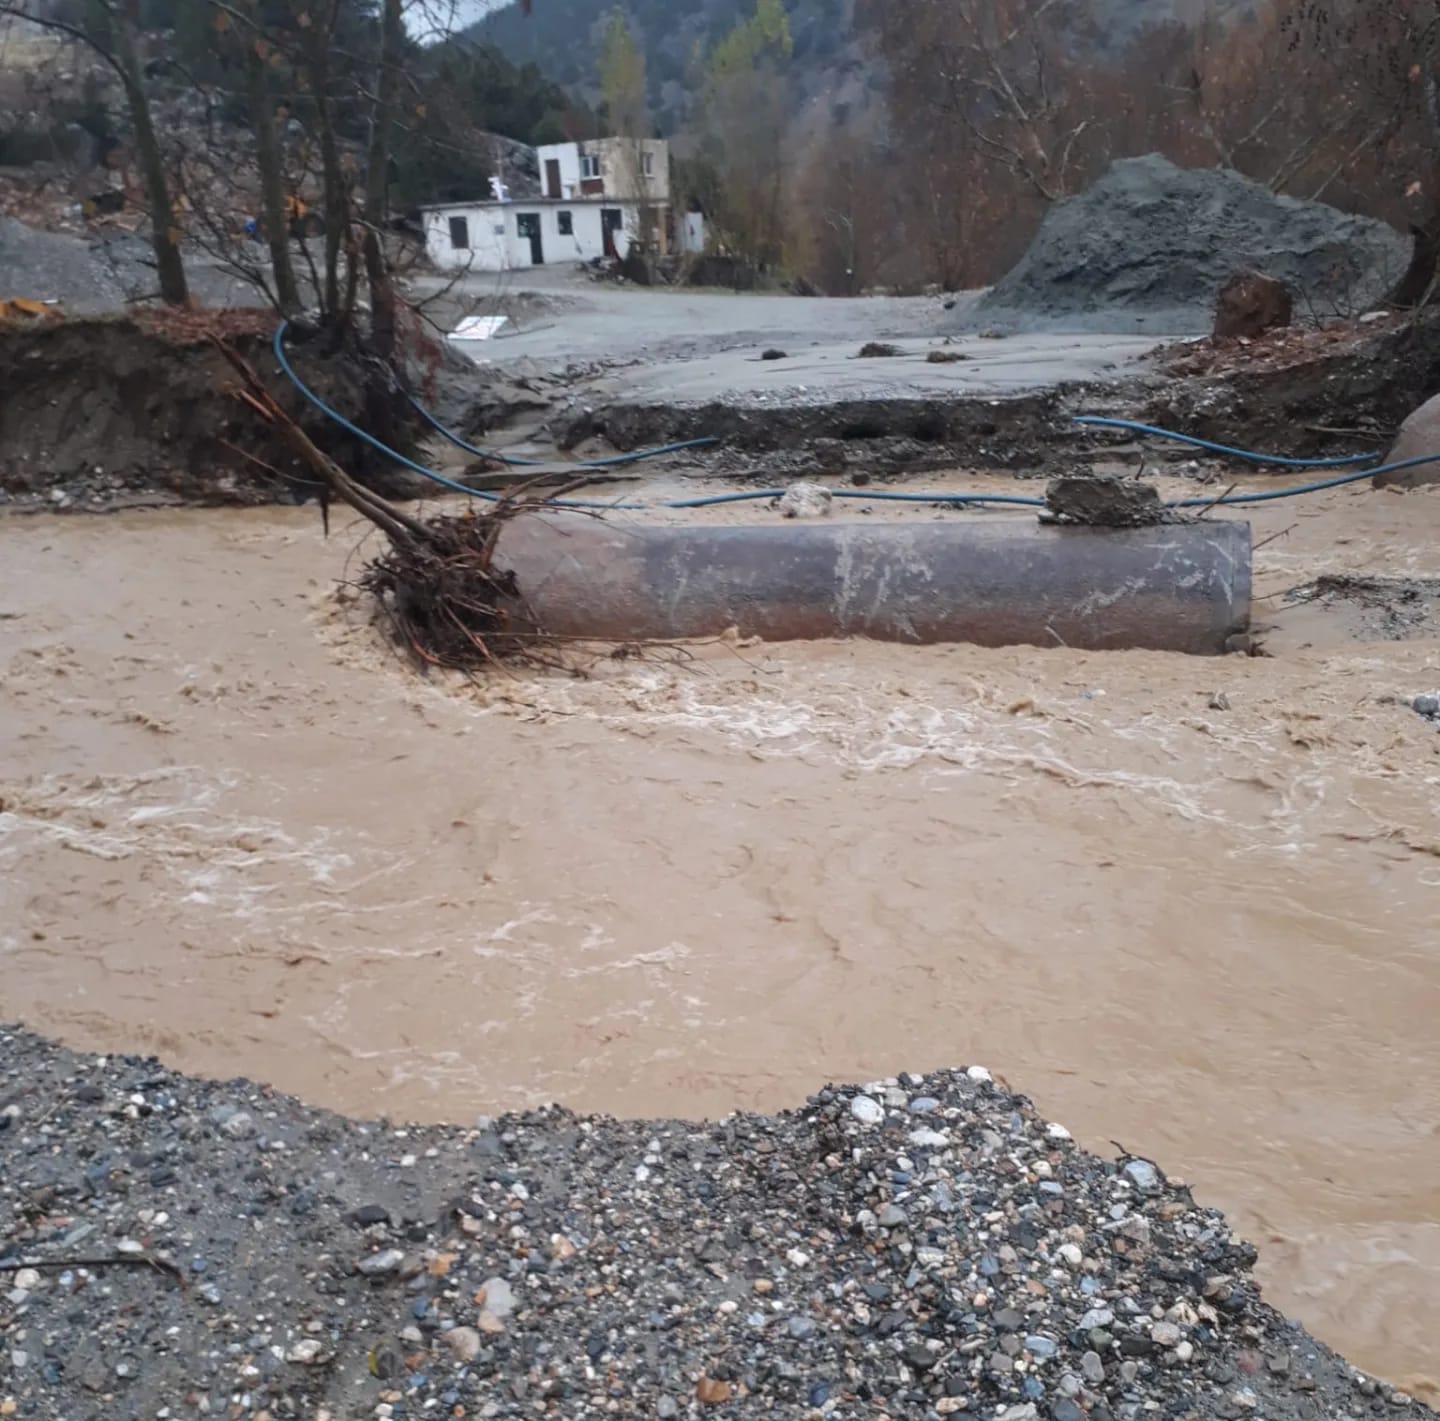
{"x":51,"y":266}
{"x":1148,"y":247}
{"x":102,"y":273}
{"x":927,"y":1246}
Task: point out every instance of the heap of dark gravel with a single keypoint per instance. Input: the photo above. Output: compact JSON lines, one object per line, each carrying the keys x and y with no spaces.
{"x":1148,"y":247}
{"x":926,"y":1247}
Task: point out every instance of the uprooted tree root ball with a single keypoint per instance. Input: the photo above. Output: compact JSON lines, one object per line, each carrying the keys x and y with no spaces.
{"x":446,"y":600}
{"x":437,"y":584}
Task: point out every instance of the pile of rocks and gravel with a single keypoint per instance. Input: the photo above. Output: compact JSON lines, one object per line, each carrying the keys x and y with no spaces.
{"x":101,"y":272}
{"x":1149,"y":246}
{"x":927,"y":1246}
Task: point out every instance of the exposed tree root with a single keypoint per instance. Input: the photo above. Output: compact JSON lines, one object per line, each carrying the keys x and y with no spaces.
{"x":447,"y":602}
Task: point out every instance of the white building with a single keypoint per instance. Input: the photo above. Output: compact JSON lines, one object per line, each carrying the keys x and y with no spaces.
{"x":598,"y":198}
{"x":630,"y":169}
{"x":525,"y":232}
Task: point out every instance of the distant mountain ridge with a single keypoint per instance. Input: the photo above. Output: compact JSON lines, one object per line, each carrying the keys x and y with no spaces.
{"x":563,"y":39}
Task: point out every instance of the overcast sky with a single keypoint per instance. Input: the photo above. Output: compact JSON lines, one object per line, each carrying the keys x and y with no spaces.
{"x":425,"y":13}
{"x":471,"y":10}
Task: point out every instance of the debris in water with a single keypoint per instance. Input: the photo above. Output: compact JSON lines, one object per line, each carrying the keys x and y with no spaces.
{"x":878,"y":350}
{"x":1385,"y":608}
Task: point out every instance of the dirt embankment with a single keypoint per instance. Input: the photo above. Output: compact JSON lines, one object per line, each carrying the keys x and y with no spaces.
{"x":101,"y":412}
{"x":1025,"y":433}
{"x":1304,"y":393}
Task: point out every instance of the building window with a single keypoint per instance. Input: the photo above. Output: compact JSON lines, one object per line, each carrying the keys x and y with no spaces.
{"x":460,"y":234}
{"x":566,"y":222}
{"x":647,"y":164}
{"x":589,"y":166}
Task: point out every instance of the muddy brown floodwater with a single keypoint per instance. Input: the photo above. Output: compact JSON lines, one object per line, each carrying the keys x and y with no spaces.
{"x":237,"y":833}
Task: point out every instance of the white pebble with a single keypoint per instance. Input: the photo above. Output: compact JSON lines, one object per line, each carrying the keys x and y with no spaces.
{"x":1057,"y":1132}
{"x":866,"y":1110}
{"x":929,"y":1139}
{"x":1072,"y":1255}
{"x":796,"y":1259}
{"x":979,"y":1073}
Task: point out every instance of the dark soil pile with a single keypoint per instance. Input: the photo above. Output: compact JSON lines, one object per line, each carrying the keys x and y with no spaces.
{"x":927,"y":1246}
{"x":1100,"y":502}
{"x":1149,"y":246}
{"x":101,"y":412}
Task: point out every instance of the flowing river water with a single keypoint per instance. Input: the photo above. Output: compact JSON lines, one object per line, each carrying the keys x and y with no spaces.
{"x":237,"y":832}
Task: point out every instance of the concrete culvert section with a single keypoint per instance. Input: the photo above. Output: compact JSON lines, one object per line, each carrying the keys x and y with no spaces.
{"x":1174,"y":587}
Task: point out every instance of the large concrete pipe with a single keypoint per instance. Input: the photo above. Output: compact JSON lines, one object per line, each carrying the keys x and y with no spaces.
{"x":1172,"y":587}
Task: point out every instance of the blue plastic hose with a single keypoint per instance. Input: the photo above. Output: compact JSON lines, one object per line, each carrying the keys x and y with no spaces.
{"x":618,"y":461}
{"x":1250,"y":455}
{"x":593,"y":505}
{"x":755,"y":495}
{"x":399,"y":458}
{"x":459,"y":443}
{"x":1272,"y":494}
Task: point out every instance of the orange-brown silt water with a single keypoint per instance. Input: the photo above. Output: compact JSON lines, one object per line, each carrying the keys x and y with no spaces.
{"x":237,"y":832}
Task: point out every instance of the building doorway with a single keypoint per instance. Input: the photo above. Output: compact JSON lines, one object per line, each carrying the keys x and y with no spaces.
{"x":552,"y":178}
{"x":527,"y":224}
{"x":611,"y":222}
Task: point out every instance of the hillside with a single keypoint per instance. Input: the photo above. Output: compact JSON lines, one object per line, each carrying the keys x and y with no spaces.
{"x":562,"y":39}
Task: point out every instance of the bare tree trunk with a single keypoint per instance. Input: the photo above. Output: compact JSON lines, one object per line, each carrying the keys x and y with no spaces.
{"x":125,"y":61}
{"x":336,"y":199}
{"x":272,"y":183}
{"x":1418,"y":284}
{"x":377,"y":182}
{"x":336,"y":203}
{"x":164,"y":236}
